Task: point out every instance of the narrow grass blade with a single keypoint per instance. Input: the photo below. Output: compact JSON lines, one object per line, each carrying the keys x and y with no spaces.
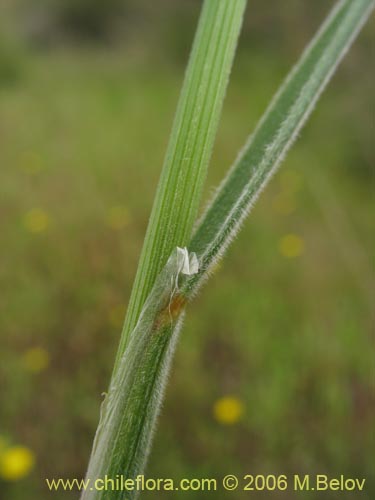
{"x":275,"y":134}
{"x":193,"y":133}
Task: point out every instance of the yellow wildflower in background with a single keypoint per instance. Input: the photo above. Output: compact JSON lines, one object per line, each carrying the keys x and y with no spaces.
{"x":36,"y":359}
{"x":116,"y":316}
{"x":36,"y":220}
{"x":16,"y":462}
{"x":284,"y":204}
{"x":290,"y":180}
{"x":118,"y":217}
{"x":291,"y":245}
{"x":3,"y":443}
{"x":228,"y":410}
{"x":31,"y":162}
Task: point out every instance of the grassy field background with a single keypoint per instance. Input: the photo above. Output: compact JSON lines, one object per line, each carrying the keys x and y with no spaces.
{"x":283,"y":328}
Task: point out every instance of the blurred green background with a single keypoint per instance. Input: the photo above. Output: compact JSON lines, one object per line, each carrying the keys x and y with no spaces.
{"x":274,"y":371}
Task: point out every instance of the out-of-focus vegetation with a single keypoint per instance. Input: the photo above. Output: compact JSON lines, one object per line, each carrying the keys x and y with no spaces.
{"x":274,"y":369}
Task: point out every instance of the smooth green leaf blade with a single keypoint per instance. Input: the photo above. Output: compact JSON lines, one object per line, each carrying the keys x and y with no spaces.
{"x":190,"y":147}
{"x":275,"y":134}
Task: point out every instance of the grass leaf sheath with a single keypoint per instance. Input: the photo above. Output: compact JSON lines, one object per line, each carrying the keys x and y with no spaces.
{"x":130,"y":409}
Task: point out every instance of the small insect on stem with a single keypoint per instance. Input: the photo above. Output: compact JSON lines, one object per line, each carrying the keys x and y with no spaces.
{"x":188,"y":265}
